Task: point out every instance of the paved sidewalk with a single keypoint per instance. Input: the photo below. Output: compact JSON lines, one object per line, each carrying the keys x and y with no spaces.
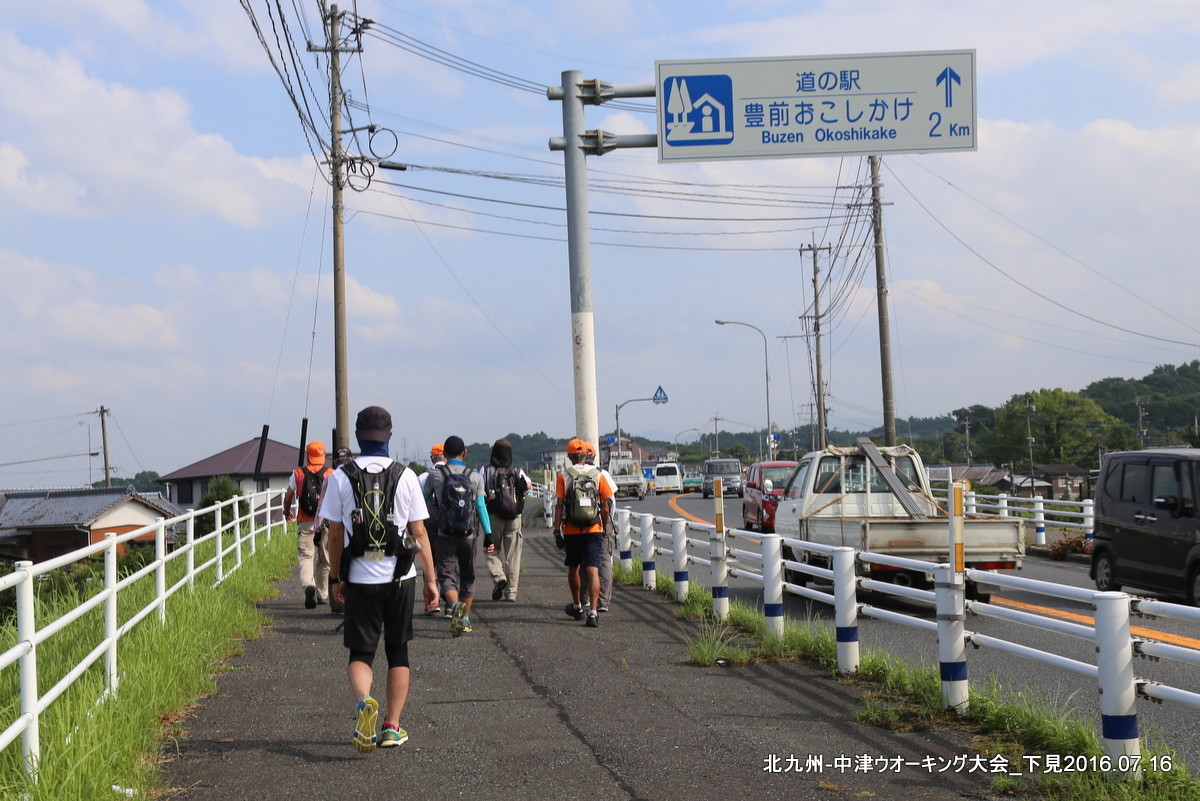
{"x":533,"y":705}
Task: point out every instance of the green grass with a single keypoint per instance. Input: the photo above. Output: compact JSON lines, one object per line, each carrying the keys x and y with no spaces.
{"x":87,"y":748}
{"x":903,"y":697}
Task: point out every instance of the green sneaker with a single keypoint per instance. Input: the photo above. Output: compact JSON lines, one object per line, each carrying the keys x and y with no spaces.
{"x":456,"y":619}
{"x":364,"y":727}
{"x":466,"y":625}
{"x":392,"y":736}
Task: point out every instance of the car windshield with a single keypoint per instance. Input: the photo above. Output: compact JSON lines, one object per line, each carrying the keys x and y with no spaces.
{"x":778,"y":476}
{"x":858,"y":474}
{"x":668,"y":470}
{"x":723,"y":468}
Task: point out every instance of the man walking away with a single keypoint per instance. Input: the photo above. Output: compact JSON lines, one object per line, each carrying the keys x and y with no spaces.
{"x":340,"y":457}
{"x":606,"y":540}
{"x":580,"y":520}
{"x":457,"y":492}
{"x":437,"y":456}
{"x":505,"y":487}
{"x":306,"y":485}
{"x":372,"y":504}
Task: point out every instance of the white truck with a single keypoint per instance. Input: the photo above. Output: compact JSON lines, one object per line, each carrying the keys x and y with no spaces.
{"x":878,"y":500}
{"x":627,"y":475}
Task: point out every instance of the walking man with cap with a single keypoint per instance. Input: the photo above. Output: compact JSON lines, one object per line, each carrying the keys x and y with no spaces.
{"x":505,"y":487}
{"x":580,"y":520}
{"x":306,"y":484}
{"x":377,"y":537}
{"x":340,"y":457}
{"x":457,"y":493}
{"x":437,"y":456}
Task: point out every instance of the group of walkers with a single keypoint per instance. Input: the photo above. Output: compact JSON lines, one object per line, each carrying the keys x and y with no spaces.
{"x":383,"y":520}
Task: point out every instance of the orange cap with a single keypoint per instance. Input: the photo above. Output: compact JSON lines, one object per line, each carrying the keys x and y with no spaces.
{"x":589,"y":449}
{"x":316,"y":452}
{"x":576,"y":446}
{"x":438,"y":450}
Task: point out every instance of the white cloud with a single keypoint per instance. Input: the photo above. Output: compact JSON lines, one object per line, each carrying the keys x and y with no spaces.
{"x":48,"y":194}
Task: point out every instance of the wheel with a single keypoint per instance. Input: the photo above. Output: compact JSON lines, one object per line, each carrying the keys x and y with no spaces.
{"x":1194,"y":586}
{"x":747,"y":523}
{"x":1105,"y":570}
{"x":705,"y":494}
{"x":794,"y":576}
{"x":975,"y":594}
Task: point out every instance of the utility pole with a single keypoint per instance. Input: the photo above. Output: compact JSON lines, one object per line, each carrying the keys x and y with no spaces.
{"x":104,"y":439}
{"x":820,"y":386}
{"x":1141,"y":424}
{"x":337,"y":160}
{"x":881,"y":291}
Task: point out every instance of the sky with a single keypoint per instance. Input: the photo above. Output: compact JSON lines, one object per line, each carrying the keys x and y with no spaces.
{"x":165,"y":249}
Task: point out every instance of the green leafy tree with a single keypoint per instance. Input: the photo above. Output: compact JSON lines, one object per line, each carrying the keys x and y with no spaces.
{"x":220,"y":488}
{"x":1066,"y":428}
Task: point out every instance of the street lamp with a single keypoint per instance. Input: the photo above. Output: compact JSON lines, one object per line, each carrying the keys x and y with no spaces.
{"x":766,"y":375}
{"x":680,"y":434}
{"x":618,"y":415}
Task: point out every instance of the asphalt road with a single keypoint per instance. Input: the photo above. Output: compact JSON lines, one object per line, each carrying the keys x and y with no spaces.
{"x":532,"y":705}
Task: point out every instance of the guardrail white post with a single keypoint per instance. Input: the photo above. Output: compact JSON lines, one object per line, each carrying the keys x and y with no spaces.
{"x":160,"y":570}
{"x":236,"y":508}
{"x":624,"y":539}
{"x":111,"y":674}
{"x":719,"y":554}
{"x":220,"y":550}
{"x":1118,"y":688}
{"x":26,"y":631}
{"x":679,"y":556}
{"x":949,"y":599}
{"x":970,"y":499}
{"x":190,"y":556}
{"x":1002,"y":505}
{"x":646,"y":532}
{"x":845,"y":609}
{"x":1089,"y":518}
{"x":772,"y":573}
{"x":1039,"y":520}
{"x":254,"y":525}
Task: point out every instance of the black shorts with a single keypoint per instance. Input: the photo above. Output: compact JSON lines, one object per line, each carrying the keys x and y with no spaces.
{"x":379,"y":609}
{"x":583,"y":549}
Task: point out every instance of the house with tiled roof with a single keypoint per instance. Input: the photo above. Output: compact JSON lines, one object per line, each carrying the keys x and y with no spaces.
{"x":40,"y":524}
{"x":187,"y":485}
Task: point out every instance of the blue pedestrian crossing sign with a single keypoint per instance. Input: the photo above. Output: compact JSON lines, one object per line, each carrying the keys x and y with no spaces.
{"x":659,"y":396}
{"x":842,"y":105}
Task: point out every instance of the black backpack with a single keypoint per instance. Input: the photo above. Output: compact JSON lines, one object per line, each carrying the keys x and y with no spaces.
{"x":506,"y":492}
{"x":582,"y":496}
{"x":310,"y":491}
{"x":456,"y":503}
{"x":373,"y":525}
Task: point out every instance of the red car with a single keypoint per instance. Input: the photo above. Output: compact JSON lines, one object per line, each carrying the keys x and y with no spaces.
{"x":764,"y":486}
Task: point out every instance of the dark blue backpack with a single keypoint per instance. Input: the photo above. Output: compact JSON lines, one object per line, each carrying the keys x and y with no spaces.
{"x":456,"y":503}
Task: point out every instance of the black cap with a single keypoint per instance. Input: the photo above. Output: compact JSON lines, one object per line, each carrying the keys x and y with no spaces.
{"x":342,"y":453}
{"x":374,"y":424}
{"x":454,"y":446}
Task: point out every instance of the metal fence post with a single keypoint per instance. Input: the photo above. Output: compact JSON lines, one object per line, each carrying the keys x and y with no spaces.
{"x":112,"y":676}
{"x":1089,"y":518}
{"x":220,"y":551}
{"x":624,"y":539}
{"x":718,"y":554}
{"x":772,"y":573}
{"x":646,"y":532}
{"x":1039,"y":520}
{"x":1118,"y":688}
{"x":845,"y":609}
{"x":160,"y":571}
{"x":236,"y":508}
{"x":679,"y":556}
{"x":190,"y":556}
{"x":254,"y":524}
{"x":26,"y":631}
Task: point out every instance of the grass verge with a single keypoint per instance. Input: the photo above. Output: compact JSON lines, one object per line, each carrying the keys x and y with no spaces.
{"x":93,"y":750}
{"x":1018,"y":725}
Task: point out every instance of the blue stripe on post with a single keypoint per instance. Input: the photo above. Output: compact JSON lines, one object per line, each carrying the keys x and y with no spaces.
{"x":773,"y":610}
{"x":720,"y":592}
{"x":626,"y":554}
{"x":954,"y":671}
{"x":647,"y":565}
{"x":681,"y":575}
{"x":847,"y":633}
{"x":1119,"y":727}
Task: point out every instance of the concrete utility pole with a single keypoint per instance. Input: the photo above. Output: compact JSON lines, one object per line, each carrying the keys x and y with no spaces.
{"x":881,"y":292}
{"x":820,"y":380}
{"x":104,"y":439}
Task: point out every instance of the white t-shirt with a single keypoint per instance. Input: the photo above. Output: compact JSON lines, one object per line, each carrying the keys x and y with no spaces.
{"x":409,"y":506}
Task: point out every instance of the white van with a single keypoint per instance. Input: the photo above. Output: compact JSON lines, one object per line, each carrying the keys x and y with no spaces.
{"x":667,"y":478}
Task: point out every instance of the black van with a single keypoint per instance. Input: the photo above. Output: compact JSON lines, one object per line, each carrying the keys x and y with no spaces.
{"x":1147,"y":523}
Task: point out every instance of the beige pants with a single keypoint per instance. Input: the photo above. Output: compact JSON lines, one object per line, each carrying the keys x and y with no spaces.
{"x":505,"y":561}
{"x":314,"y":560}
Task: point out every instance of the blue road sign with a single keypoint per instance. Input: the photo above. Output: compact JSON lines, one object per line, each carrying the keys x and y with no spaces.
{"x":816,"y":105}
{"x":659,"y":396}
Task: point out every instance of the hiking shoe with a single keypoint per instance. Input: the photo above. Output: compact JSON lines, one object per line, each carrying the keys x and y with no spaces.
{"x":575,"y":611}
{"x":322,"y":601}
{"x":449,"y":613}
{"x":457,"y":617}
{"x":466,"y":625}
{"x":364,"y":727}
{"x":392,"y":736}
{"x":603,"y":609}
{"x":593,"y":620}
{"x":498,"y":590}
{"x":310,"y":597}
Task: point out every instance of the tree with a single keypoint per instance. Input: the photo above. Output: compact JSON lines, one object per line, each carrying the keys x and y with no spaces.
{"x":1066,"y":427}
{"x":220,"y":488}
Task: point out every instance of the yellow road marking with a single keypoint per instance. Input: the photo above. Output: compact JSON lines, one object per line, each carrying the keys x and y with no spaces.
{"x":674,"y":504}
{"x":1137,"y":631}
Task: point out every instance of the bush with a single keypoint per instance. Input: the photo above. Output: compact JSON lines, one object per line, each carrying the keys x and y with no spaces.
{"x":1066,"y":545}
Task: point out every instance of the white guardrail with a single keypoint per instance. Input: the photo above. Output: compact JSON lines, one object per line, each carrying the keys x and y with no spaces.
{"x":1078,"y":516}
{"x":759,"y":557}
{"x":253,"y":516}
